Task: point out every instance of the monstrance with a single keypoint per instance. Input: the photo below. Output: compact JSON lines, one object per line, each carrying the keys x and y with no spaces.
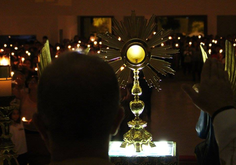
{"x":134,"y":46}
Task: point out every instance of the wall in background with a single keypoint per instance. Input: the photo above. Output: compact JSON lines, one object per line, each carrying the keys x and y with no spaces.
{"x":47,"y":17}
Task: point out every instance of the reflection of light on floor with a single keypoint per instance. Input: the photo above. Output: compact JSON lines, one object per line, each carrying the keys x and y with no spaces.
{"x":163,"y":148}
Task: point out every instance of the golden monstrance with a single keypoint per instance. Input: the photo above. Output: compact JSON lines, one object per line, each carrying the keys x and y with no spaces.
{"x":134,"y":46}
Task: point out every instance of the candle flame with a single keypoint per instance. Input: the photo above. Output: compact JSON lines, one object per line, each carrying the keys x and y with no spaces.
{"x":4,"y":61}
{"x":122,"y":68}
{"x":24,"y":119}
{"x":12,"y":73}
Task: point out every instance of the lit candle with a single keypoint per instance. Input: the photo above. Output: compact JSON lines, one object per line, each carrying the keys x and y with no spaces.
{"x":22,"y":59}
{"x":24,"y":119}
{"x":92,"y":38}
{"x":5,"y":76}
{"x":12,"y":73}
{"x":122,"y":68}
{"x":4,"y":61}
{"x":209,"y":51}
{"x":119,"y":39}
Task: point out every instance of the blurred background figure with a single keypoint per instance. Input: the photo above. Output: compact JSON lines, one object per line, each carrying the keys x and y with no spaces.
{"x":18,"y":137}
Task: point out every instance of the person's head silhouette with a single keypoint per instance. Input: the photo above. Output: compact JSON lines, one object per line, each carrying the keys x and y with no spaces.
{"x":78,"y":106}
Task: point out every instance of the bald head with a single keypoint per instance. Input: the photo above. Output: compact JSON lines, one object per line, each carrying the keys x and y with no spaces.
{"x":78,"y":97}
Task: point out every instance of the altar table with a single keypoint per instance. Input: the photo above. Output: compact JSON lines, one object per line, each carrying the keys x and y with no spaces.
{"x":163,"y":154}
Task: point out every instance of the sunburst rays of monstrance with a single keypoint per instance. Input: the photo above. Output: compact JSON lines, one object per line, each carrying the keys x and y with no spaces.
{"x":138,"y":49}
